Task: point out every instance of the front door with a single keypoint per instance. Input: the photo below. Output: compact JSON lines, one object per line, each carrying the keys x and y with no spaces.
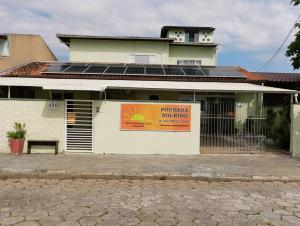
{"x":79,"y":125}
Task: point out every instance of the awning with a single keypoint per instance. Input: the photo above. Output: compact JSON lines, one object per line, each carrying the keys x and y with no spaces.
{"x":73,"y":87}
{"x":100,"y":85}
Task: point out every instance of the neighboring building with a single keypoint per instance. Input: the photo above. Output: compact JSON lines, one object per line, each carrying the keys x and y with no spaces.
{"x":17,"y":49}
{"x":281,"y":80}
{"x":176,"y":45}
{"x":122,"y":98}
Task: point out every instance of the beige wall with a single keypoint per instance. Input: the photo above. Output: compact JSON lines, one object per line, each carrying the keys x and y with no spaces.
{"x":207,"y":55}
{"x":295,"y":130}
{"x":116,"y":51}
{"x":109,"y":138}
{"x":25,"y":48}
{"x":41,"y":122}
{"x":247,"y":104}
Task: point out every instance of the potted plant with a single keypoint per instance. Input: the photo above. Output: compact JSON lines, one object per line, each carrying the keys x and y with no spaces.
{"x":16,"y":138}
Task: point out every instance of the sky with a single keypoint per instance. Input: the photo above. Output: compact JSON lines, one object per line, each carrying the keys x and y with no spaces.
{"x":248,"y":31}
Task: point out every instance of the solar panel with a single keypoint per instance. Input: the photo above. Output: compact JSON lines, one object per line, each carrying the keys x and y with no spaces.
{"x":173,"y":71}
{"x":96,"y":69}
{"x":57,"y":67}
{"x":232,"y":72}
{"x":192,"y":71}
{"x":222,"y":72}
{"x":115,"y":70}
{"x":76,"y":68}
{"x":135,"y":70}
{"x":154,"y":71}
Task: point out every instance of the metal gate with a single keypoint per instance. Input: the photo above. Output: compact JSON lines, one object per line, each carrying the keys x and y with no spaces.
{"x":79,"y":125}
{"x":230,"y":127}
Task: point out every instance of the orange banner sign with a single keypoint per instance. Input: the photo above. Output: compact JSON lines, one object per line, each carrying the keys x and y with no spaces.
{"x":156,"y":117}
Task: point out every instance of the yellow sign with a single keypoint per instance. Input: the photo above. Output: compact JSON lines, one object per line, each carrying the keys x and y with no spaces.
{"x":156,"y":117}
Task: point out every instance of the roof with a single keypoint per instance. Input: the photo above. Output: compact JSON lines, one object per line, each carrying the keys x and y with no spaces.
{"x":278,"y":77}
{"x":200,"y":44}
{"x":65,"y":38}
{"x":101,"y":85}
{"x":164,"y":29}
{"x":68,"y":70}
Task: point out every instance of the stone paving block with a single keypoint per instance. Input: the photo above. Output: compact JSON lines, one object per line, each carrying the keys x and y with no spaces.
{"x":27,"y":223}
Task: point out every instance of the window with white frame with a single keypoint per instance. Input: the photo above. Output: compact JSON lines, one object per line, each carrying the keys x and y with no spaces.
{"x":142,"y":59}
{"x":188,"y":62}
{"x":4,"y":50}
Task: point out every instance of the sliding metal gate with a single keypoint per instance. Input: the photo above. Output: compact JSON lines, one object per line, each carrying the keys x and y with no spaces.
{"x":229,"y":127}
{"x":79,"y":125}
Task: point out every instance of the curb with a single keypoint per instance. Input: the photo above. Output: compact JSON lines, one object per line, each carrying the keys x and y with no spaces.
{"x":74,"y":176}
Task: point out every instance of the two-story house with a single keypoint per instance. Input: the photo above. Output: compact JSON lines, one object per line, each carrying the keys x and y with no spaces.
{"x":128,"y":94}
{"x":177,"y":45}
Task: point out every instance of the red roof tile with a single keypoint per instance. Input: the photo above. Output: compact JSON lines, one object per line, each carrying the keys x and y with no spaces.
{"x":278,"y":77}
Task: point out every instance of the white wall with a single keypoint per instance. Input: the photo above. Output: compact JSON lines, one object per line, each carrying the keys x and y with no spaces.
{"x":110,"y":139}
{"x":295,"y":130}
{"x":41,"y":122}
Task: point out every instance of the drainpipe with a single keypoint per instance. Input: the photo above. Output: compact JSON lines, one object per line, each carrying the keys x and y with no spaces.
{"x":50,"y":94}
{"x":8,"y":94}
{"x":194,"y":96}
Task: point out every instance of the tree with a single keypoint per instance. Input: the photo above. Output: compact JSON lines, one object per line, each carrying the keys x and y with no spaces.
{"x":293,"y":50}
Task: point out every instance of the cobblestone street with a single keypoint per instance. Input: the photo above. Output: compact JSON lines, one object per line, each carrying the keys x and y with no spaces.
{"x":121,"y":202}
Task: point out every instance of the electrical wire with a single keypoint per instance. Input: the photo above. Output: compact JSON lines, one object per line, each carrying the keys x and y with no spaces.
{"x":280,"y":47}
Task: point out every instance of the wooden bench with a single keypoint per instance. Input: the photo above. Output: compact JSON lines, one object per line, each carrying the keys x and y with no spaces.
{"x":30,"y":143}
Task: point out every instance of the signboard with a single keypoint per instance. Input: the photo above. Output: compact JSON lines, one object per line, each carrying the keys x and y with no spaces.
{"x":71,"y":117}
{"x":156,"y":117}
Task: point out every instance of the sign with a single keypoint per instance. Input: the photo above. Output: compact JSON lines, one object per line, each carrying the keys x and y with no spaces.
{"x":156,"y":117}
{"x":71,"y":117}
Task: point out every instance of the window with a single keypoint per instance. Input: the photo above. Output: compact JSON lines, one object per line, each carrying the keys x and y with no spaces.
{"x":142,"y":59}
{"x":191,"y":36}
{"x":4,"y":50}
{"x":153,"y":97}
{"x":22,"y":92}
{"x":3,"y":92}
{"x":188,"y":62}
{"x":61,"y":95}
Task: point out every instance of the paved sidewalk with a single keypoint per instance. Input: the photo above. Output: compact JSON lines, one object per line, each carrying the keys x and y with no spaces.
{"x":272,"y":167}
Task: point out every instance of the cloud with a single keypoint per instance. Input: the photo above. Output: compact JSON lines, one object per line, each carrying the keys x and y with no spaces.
{"x":244,"y":25}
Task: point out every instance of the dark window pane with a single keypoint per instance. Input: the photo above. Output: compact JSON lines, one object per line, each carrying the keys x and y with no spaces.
{"x":68,"y":95}
{"x":153,"y":97}
{"x":57,"y":96}
{"x":3,"y":92}
{"x":22,"y":92}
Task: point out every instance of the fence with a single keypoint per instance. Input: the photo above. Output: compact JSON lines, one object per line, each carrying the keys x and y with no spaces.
{"x":227,"y":126}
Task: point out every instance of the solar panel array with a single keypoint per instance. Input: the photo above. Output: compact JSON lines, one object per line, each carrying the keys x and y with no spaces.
{"x":133,"y":69}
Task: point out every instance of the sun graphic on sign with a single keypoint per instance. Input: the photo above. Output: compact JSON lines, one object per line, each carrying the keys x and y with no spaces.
{"x":135,"y":112}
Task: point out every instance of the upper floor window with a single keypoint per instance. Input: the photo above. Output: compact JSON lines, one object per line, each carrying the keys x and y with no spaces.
{"x":191,"y":36}
{"x":141,"y":59}
{"x":188,"y":62}
{"x":4,"y":50}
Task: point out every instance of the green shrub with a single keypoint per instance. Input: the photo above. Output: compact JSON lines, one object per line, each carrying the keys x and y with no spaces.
{"x":19,"y":131}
